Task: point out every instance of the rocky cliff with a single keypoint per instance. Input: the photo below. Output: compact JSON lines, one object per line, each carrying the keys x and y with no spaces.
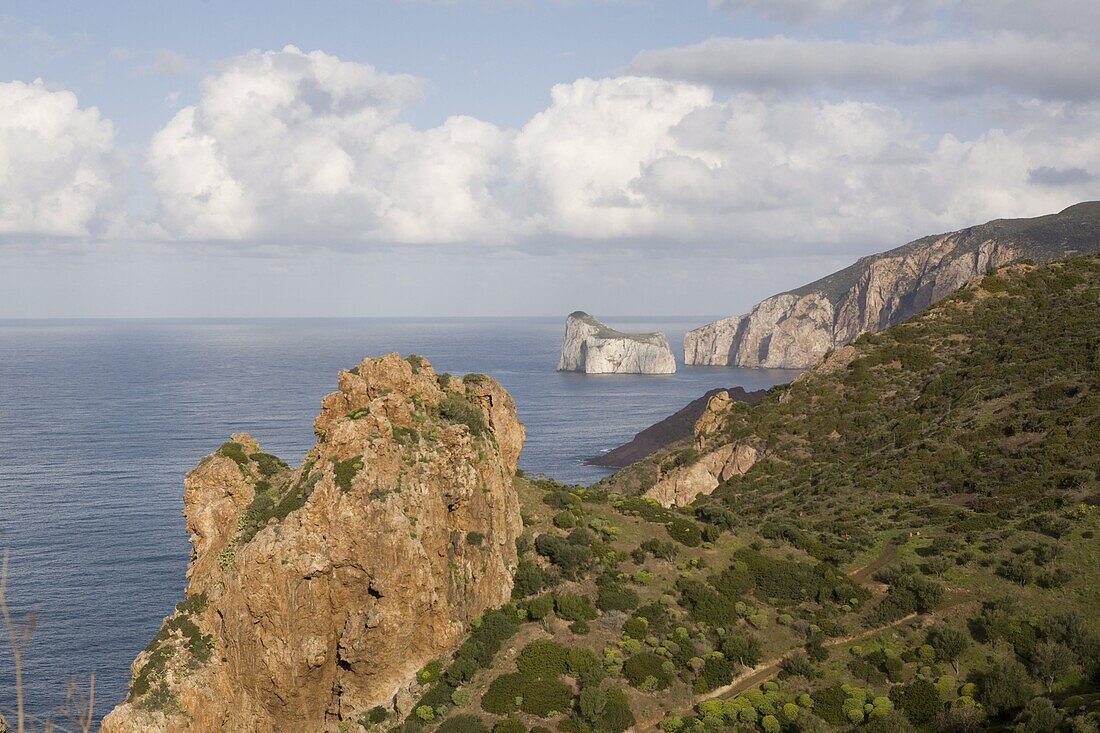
{"x":675,"y":427}
{"x":713,"y":462}
{"x":593,"y":348}
{"x":793,"y":329}
{"x":315,"y":593}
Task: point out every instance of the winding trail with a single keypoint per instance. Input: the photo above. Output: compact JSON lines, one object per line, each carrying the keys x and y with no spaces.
{"x":769,"y":668}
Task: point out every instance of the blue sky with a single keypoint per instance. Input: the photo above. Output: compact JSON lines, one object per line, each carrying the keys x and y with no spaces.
{"x":511,"y":157}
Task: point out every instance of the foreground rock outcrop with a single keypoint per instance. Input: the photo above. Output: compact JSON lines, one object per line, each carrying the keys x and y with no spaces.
{"x":316,"y":593}
{"x":793,"y":330}
{"x":593,"y":348}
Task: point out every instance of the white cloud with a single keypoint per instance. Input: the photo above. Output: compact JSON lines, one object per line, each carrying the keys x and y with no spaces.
{"x":286,"y":147}
{"x":581,"y":155}
{"x":57,"y":163}
{"x":1034,"y":67}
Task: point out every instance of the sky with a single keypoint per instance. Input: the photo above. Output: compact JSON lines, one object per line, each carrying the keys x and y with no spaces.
{"x":516,"y":157}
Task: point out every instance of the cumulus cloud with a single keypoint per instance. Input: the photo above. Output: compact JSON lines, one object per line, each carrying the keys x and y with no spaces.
{"x":57,"y":163}
{"x":308,"y":149}
{"x":287,"y":145}
{"x":1039,"y":68}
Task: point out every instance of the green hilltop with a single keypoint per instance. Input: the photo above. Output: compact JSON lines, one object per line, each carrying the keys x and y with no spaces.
{"x":916,"y":550}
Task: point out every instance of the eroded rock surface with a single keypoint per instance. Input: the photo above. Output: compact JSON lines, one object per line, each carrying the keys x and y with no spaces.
{"x":793,"y":330}
{"x":681,"y":485}
{"x":315,"y":593}
{"x":593,"y":348}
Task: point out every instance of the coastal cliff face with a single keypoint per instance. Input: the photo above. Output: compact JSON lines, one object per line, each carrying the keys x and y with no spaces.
{"x":794,"y":329}
{"x":593,"y":348}
{"x":316,"y":593}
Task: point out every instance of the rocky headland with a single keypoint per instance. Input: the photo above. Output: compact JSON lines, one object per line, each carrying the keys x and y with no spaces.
{"x":676,"y":426}
{"x":593,"y":348}
{"x":315,"y":593}
{"x":793,"y":330}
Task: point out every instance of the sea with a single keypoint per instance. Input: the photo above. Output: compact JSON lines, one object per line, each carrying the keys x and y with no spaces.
{"x":100,"y":419}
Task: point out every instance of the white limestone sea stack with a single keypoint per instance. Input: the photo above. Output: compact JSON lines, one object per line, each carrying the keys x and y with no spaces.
{"x":593,"y":348}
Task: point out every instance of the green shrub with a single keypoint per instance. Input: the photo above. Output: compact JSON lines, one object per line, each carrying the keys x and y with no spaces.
{"x":546,"y":698}
{"x":268,"y":464}
{"x":504,"y":692}
{"x":543,"y":658}
{"x":641,"y":668}
{"x":617,"y":715}
{"x":574,"y":607}
{"x":510,"y":725}
{"x":616,"y":598}
{"x":529,"y":578}
{"x":919,"y":700}
{"x":463,"y":724}
{"x":540,"y":607}
{"x":344,"y":471}
{"x":456,"y":408}
{"x":685,"y":531}
{"x":586,"y":666}
{"x":235,"y":452}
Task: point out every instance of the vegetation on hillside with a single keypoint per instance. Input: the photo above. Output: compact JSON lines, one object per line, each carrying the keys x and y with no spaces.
{"x":916,"y":550}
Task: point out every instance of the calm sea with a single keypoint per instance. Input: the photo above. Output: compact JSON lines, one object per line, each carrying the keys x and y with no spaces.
{"x":99,"y":420}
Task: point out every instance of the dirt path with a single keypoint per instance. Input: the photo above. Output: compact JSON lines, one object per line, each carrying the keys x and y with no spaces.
{"x":863,"y":574}
{"x":766,"y":670}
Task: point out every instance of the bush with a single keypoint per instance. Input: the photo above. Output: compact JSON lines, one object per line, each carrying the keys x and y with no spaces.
{"x":234,"y":452}
{"x":617,"y":715}
{"x":546,"y":698}
{"x":510,"y":725}
{"x":456,"y":408}
{"x":344,"y":471}
{"x":797,"y":665}
{"x":616,"y":598}
{"x":586,"y":666}
{"x":919,"y":700}
{"x":574,"y":607}
{"x":645,"y":666}
{"x":685,"y":531}
{"x":268,"y":464}
{"x":463,"y":724}
{"x":571,"y":557}
{"x":543,"y":658}
{"x":1005,"y":687}
{"x":529,"y":579}
{"x":540,"y":607}
{"x":717,"y":671}
{"x":503,"y":693}
{"x":743,"y":648}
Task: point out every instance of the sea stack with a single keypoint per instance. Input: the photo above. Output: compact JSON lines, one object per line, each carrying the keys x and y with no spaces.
{"x":593,"y":348}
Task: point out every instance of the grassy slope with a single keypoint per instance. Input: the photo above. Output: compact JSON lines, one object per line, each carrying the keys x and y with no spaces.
{"x":940,"y":474}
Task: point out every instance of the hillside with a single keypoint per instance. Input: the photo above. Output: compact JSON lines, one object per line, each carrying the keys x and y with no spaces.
{"x":794,"y":329}
{"x":914,"y":549}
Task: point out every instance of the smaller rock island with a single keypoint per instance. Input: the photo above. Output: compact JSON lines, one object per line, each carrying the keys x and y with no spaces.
{"x":593,"y":348}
